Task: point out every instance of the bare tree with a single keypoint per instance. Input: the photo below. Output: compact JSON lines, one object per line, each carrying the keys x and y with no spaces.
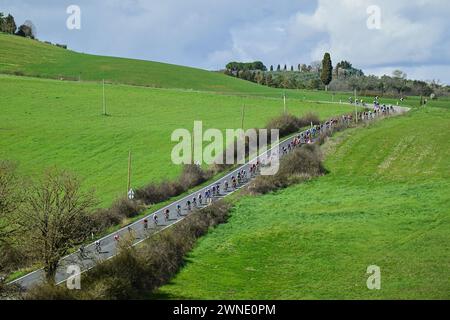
{"x":9,"y":199}
{"x":55,"y":218}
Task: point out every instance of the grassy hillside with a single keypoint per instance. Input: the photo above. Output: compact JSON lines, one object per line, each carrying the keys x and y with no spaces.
{"x":34,"y":58}
{"x":385,"y":202}
{"x":47,"y":122}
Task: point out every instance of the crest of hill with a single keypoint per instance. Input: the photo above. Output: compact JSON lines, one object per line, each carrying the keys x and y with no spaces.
{"x":27,"y":57}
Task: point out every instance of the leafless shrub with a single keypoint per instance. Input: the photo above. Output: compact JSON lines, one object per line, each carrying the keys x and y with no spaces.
{"x":49,"y":291}
{"x":288,"y":123}
{"x":191,"y":176}
{"x":300,"y":165}
{"x":54,"y":218}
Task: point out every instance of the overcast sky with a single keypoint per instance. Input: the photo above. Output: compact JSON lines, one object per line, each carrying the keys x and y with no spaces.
{"x":413,"y":36}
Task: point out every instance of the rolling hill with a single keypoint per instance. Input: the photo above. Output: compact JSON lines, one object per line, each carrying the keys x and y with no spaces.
{"x":385,"y":203}
{"x":59,"y":123}
{"x":26,"y":57}
{"x":37,"y":59}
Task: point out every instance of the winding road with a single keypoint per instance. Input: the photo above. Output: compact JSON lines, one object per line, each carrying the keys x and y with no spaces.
{"x":108,"y":244}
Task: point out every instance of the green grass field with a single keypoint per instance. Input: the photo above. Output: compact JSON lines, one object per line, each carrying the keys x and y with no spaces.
{"x":48,"y":122}
{"x":385,"y":203}
{"x":37,"y":59}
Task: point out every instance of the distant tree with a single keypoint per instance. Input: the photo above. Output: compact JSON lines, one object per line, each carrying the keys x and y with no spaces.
{"x":228,"y":72}
{"x":354,"y":83}
{"x":327,"y":69}
{"x":315,"y":66}
{"x":381,"y":87}
{"x":271,"y":68}
{"x":344,"y":64}
{"x":268,"y":80}
{"x":258,"y":65}
{"x":285,"y":68}
{"x":232,"y":66}
{"x":247,"y":75}
{"x":278,"y":68}
{"x":243,"y":66}
{"x":25,"y":31}
{"x":399,"y":81}
{"x":292,"y":68}
{"x":422,"y":88}
{"x":54,"y":218}
{"x":259,"y":77}
{"x":304,"y":68}
{"x":284,"y":81}
{"x":9,"y":24}
{"x":399,"y":74}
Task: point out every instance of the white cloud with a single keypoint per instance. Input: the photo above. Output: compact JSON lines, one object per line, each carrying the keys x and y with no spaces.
{"x":208,"y":34}
{"x":412,"y":33}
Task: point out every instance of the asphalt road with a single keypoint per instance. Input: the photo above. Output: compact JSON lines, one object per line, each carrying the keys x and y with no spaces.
{"x":108,"y":244}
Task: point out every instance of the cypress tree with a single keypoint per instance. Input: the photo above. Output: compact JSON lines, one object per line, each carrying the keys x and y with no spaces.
{"x":327,"y":69}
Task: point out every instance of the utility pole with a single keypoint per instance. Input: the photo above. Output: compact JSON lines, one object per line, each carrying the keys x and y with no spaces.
{"x":192,"y":161}
{"x":242,"y":116}
{"x":104,"y":100}
{"x":129,"y":172}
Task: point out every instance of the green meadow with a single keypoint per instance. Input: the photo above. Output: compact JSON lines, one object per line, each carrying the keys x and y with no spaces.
{"x":48,"y":123}
{"x":385,"y":202}
{"x":37,"y":59}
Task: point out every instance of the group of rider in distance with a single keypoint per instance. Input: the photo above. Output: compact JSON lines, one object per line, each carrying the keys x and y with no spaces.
{"x":206,"y":197}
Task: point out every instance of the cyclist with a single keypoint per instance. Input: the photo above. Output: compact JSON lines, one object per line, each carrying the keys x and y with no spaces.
{"x":188,"y":205}
{"x":167,"y":214}
{"x":208,"y":196}
{"x":178,"y":210}
{"x":194,"y":201}
{"x":145,"y":224}
{"x":155,"y":219}
{"x":98,"y":246}
{"x":200,"y":199}
{"x":225,"y":185}
{"x":82,"y":252}
{"x":116,"y":237}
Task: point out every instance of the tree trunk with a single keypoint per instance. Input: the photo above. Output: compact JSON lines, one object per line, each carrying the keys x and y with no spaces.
{"x":50,"y":272}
